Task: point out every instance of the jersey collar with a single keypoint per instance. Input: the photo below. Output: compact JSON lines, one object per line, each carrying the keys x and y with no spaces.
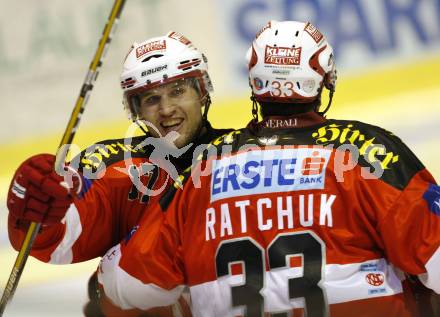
{"x":302,"y":120}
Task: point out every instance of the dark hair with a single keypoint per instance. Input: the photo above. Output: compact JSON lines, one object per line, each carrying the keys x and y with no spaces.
{"x":286,"y":109}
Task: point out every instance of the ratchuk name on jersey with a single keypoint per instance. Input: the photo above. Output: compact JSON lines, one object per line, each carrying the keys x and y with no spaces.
{"x":269,"y":171}
{"x":291,"y":211}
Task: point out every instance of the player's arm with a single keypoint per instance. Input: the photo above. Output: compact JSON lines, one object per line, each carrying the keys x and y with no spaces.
{"x":100,"y":303}
{"x":146,"y":271}
{"x":73,"y":225}
{"x":411,"y":230}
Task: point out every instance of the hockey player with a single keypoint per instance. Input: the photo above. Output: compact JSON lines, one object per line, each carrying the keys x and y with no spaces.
{"x":166,"y":87}
{"x":293,"y":213}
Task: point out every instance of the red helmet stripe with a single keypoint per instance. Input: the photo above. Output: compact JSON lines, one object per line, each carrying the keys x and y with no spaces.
{"x":314,"y":61}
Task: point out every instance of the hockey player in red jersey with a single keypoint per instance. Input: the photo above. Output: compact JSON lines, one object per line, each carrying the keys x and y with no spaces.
{"x":166,"y":89}
{"x":294,"y":215}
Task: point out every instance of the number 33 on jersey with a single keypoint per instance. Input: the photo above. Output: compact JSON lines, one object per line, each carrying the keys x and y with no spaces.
{"x":272,"y":231}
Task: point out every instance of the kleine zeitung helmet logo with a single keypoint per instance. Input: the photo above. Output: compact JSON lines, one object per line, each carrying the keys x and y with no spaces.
{"x":282,"y":55}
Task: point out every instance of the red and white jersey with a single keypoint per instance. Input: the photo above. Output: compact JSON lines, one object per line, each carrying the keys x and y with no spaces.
{"x":105,"y":211}
{"x":313,"y":216}
{"x":120,"y":183}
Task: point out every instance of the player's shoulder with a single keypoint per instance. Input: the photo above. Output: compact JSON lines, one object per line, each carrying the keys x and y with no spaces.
{"x":220,"y":132}
{"x":362,"y":135}
{"x":340,"y":130}
{"x":374,"y":144}
{"x":109,"y":152}
{"x":216,"y":140}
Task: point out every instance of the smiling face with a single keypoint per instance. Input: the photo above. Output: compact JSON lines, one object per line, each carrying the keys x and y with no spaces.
{"x":175,"y":106}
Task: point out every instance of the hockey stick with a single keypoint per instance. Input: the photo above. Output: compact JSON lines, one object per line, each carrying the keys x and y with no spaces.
{"x":69,"y":133}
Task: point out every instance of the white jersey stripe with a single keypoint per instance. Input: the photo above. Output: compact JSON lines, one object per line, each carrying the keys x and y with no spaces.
{"x":128,"y":292}
{"x":433,"y":281}
{"x":63,"y":253}
{"x":349,"y":282}
{"x":342,"y":283}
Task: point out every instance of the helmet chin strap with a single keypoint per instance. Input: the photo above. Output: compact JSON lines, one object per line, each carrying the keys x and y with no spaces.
{"x":206,"y":100}
{"x":330,"y":99}
{"x":254,"y":108}
{"x":330,"y":84}
{"x":135,"y":116}
{"x":138,"y":122}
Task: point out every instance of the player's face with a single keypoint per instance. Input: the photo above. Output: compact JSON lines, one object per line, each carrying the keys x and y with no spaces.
{"x":175,"y":106}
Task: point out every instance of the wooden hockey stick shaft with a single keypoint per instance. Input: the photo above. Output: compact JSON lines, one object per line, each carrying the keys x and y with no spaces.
{"x":68,"y":136}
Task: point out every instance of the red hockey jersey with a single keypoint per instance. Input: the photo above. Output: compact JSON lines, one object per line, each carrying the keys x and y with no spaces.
{"x":289,"y":216}
{"x":119,"y":184}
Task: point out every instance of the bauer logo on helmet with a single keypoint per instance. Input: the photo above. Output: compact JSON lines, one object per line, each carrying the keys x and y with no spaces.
{"x":154,"y":70}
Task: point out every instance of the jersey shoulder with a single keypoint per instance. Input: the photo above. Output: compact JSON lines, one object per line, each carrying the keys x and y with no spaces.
{"x":106,"y":153}
{"x":215,"y":141}
{"x":220,"y":132}
{"x":378,"y":150}
{"x":376,"y":146}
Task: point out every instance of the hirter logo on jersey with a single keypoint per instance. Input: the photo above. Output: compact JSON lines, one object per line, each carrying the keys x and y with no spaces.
{"x":282,"y":55}
{"x":375,"y":279}
{"x":150,"y":47}
{"x":269,"y":171}
{"x":313,"y":32}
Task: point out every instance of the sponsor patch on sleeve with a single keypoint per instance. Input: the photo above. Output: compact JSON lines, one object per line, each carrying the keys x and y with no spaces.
{"x":268,"y":171}
{"x":432,"y":197}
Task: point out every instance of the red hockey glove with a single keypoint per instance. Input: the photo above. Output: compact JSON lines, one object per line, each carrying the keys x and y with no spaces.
{"x":37,"y":193}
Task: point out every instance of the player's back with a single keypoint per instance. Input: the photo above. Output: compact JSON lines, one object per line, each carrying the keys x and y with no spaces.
{"x":286,"y":220}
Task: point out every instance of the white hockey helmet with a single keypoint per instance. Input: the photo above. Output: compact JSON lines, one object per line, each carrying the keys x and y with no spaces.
{"x":289,"y":62}
{"x":158,"y":61}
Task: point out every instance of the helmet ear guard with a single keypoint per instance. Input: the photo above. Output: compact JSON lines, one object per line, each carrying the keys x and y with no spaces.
{"x":330,"y":80}
{"x":327,"y":60}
